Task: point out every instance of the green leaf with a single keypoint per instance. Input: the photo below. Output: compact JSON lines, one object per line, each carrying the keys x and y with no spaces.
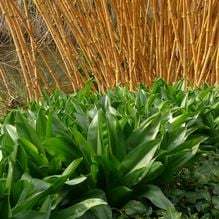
{"x":99,"y":133}
{"x":62,"y":149}
{"x":83,"y":145}
{"x":155,"y":170}
{"x":12,"y":132}
{"x":22,"y":158}
{"x":9,"y":179}
{"x":49,"y":125}
{"x":175,"y":138}
{"x":58,"y":181}
{"x":92,"y":134}
{"x":82,"y":121}
{"x":72,"y":167}
{"x":189,"y":144}
{"x":99,"y":212}
{"x":215,"y":201}
{"x":26,"y":214}
{"x":171,"y":214}
{"x":26,"y":131}
{"x":78,"y":209}
{"x":47,"y":207}
{"x":41,"y":124}
{"x":76,"y":181}
{"x":85,"y":92}
{"x":133,"y":178}
{"x":140,"y":156}
{"x":134,"y":208}
{"x":156,"y":196}
{"x":118,"y":194}
{"x":31,"y":189}
{"x":145,"y":132}
{"x":55,"y":165}
{"x":5,"y":207}
{"x":33,"y":152}
{"x":176,"y":122}
{"x":118,"y":146}
{"x":29,"y":202}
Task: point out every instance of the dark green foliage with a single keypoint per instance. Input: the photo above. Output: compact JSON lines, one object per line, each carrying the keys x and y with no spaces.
{"x":196,"y":189}
{"x":84,"y":154}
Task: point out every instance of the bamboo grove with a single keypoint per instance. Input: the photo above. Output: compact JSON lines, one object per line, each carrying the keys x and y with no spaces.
{"x":111,"y":42}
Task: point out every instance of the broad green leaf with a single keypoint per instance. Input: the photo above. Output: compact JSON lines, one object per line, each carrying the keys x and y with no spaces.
{"x":176,"y":122}
{"x":133,"y":178}
{"x":95,"y":193}
{"x":83,"y":145}
{"x":99,"y":133}
{"x":33,"y":152}
{"x":5,"y":207}
{"x":57,"y":125}
{"x":134,"y":208}
{"x":94,"y":171}
{"x":156,"y":196}
{"x":26,"y":131}
{"x":118,"y":147}
{"x":49,"y":125}
{"x":72,"y":167}
{"x":29,"y":202}
{"x":158,"y":83}
{"x":118,"y":194}
{"x":47,"y":207}
{"x":109,"y":164}
{"x":22,"y":158}
{"x":140,"y":156}
{"x":82,"y":121}
{"x":61,"y":148}
{"x":149,"y":103}
{"x":85,"y":92}
{"x":93,"y":129}
{"x":99,"y":212}
{"x":76,"y":181}
{"x":155,"y":170}
{"x":105,"y":102}
{"x":55,"y":165}
{"x":145,"y":132}
{"x":5,"y":188}
{"x":41,"y":124}
{"x":9,"y":177}
{"x":26,"y":214}
{"x":78,"y":209}
{"x":177,"y":161}
{"x":175,"y":137}
{"x":58,"y":181}
{"x":12,"y":132}
{"x":196,"y":141}
{"x":30,"y":187}
{"x":7,"y":146}
{"x":140,"y":99}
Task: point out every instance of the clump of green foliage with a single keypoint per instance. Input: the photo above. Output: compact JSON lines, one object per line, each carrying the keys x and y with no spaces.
{"x":92,"y":155}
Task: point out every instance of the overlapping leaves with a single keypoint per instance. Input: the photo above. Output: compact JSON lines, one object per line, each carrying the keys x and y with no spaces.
{"x":78,"y":154}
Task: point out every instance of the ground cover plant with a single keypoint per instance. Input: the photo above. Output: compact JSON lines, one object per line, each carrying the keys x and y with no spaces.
{"x":196,"y":189}
{"x":107,"y":155}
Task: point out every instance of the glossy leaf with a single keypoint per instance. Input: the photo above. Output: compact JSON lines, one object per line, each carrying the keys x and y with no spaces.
{"x":79,"y":209}
{"x":156,"y":196}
